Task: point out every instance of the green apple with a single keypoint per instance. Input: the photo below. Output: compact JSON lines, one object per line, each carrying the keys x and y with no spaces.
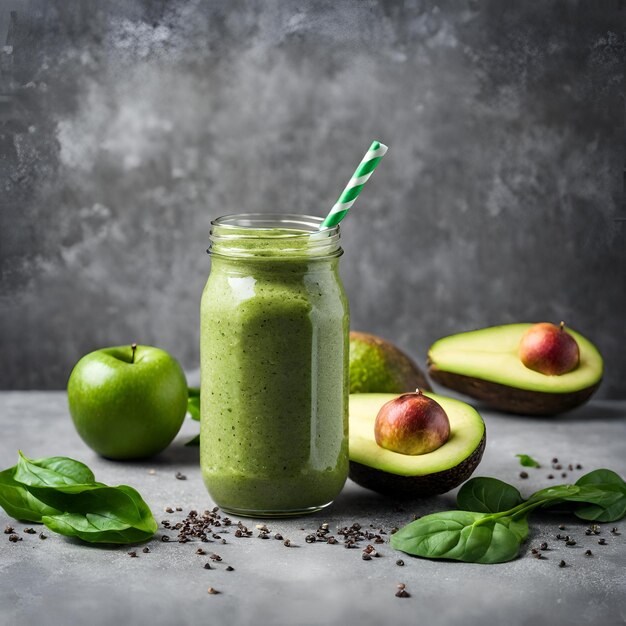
{"x":127,"y":402}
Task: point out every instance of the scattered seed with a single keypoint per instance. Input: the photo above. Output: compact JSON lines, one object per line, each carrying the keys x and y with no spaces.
{"x":543,"y":546}
{"x":559,"y":537}
{"x":561,"y":526}
{"x":152,"y":472}
{"x":534,"y":551}
{"x":42,"y":536}
{"x":30,"y":531}
{"x":14,"y":538}
{"x":207,"y":565}
{"x":564,"y":475}
{"x":238,"y":533}
{"x":558,"y":466}
{"x":602,"y":542}
{"x":212,"y":592}
{"x":165,"y":538}
{"x":562,"y":564}
{"x":588,"y":553}
{"x":366,"y":557}
{"x":146,"y":550}
{"x":523,"y":474}
{"x":401,"y":586}
{"x":400,"y":562}
{"x":538,"y":555}
{"x":579,"y":466}
{"x":180,"y":476}
{"x":394,"y":530}
{"x":402,"y":593}
{"x":570,"y":467}
{"x":8,"y":530}
{"x":615,"y":531}
{"x":278,"y":536}
{"x":310,"y":538}
{"x":169,"y":509}
{"x":555,"y":460}
{"x":550,"y":476}
{"x":287,"y":543}
{"x":331,"y":540}
{"x":230,"y":569}
{"x":570,"y":542}
{"x":179,"y":508}
{"x":132,"y":555}
{"x":200,"y":551}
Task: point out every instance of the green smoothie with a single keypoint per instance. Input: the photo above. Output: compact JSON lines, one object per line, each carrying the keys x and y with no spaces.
{"x":274,"y":359}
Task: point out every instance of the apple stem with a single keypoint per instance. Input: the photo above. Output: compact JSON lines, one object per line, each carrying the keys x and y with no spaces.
{"x":418,"y":390}
{"x":562,"y":325}
{"x":133,"y":347}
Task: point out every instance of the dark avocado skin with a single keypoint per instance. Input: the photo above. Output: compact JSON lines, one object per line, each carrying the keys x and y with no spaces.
{"x":387,"y":483}
{"x":511,"y":399}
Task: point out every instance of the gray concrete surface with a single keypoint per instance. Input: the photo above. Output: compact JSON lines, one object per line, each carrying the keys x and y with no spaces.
{"x":60,"y":581}
{"x":125,"y":126}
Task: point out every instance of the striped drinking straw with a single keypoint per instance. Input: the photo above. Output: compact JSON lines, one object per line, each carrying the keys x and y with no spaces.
{"x":353,"y":188}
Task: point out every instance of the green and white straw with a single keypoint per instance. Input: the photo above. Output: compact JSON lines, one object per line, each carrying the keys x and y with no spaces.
{"x":353,"y":188}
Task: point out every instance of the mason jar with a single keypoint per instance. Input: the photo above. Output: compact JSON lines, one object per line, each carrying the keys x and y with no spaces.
{"x":274,"y":366}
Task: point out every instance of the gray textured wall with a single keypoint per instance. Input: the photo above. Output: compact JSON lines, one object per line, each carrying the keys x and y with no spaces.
{"x":126,"y":125}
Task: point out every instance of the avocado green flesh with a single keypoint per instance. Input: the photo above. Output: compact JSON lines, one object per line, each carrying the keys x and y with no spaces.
{"x":466,"y":432}
{"x":492,"y":354}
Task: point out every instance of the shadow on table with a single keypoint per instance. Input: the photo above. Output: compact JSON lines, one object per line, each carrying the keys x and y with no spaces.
{"x":596,"y":411}
{"x":355,"y":502}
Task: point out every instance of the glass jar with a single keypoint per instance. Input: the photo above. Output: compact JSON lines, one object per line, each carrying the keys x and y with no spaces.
{"x":274,"y":366}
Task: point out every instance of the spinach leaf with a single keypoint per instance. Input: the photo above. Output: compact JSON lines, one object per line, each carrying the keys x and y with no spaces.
{"x":98,"y":514}
{"x":193,"y":408}
{"x":193,"y":403}
{"x":53,"y":471}
{"x":609,"y":503}
{"x":460,"y":536}
{"x":557,"y":493}
{"x":62,"y":493}
{"x":18,"y":502}
{"x":527,"y":461}
{"x":494,"y":531}
{"x":487,"y":495}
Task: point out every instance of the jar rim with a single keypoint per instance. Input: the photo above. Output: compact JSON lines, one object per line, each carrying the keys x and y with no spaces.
{"x":270,"y":221}
{"x":271,"y":235}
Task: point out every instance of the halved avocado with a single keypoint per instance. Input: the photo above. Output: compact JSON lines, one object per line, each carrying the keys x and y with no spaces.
{"x":420,"y":475}
{"x":485,"y":365}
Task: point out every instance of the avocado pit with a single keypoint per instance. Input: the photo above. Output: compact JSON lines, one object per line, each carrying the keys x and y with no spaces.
{"x":411,"y":424}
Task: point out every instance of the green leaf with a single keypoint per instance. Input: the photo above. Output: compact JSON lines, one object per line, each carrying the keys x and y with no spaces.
{"x":554,"y":494}
{"x":605,"y":493}
{"x":98,"y":513}
{"x":53,"y":471}
{"x":62,"y":493}
{"x":461,"y":536}
{"x":193,"y":403}
{"x":488,"y":495}
{"x":527,"y":461}
{"x":16,"y":500}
